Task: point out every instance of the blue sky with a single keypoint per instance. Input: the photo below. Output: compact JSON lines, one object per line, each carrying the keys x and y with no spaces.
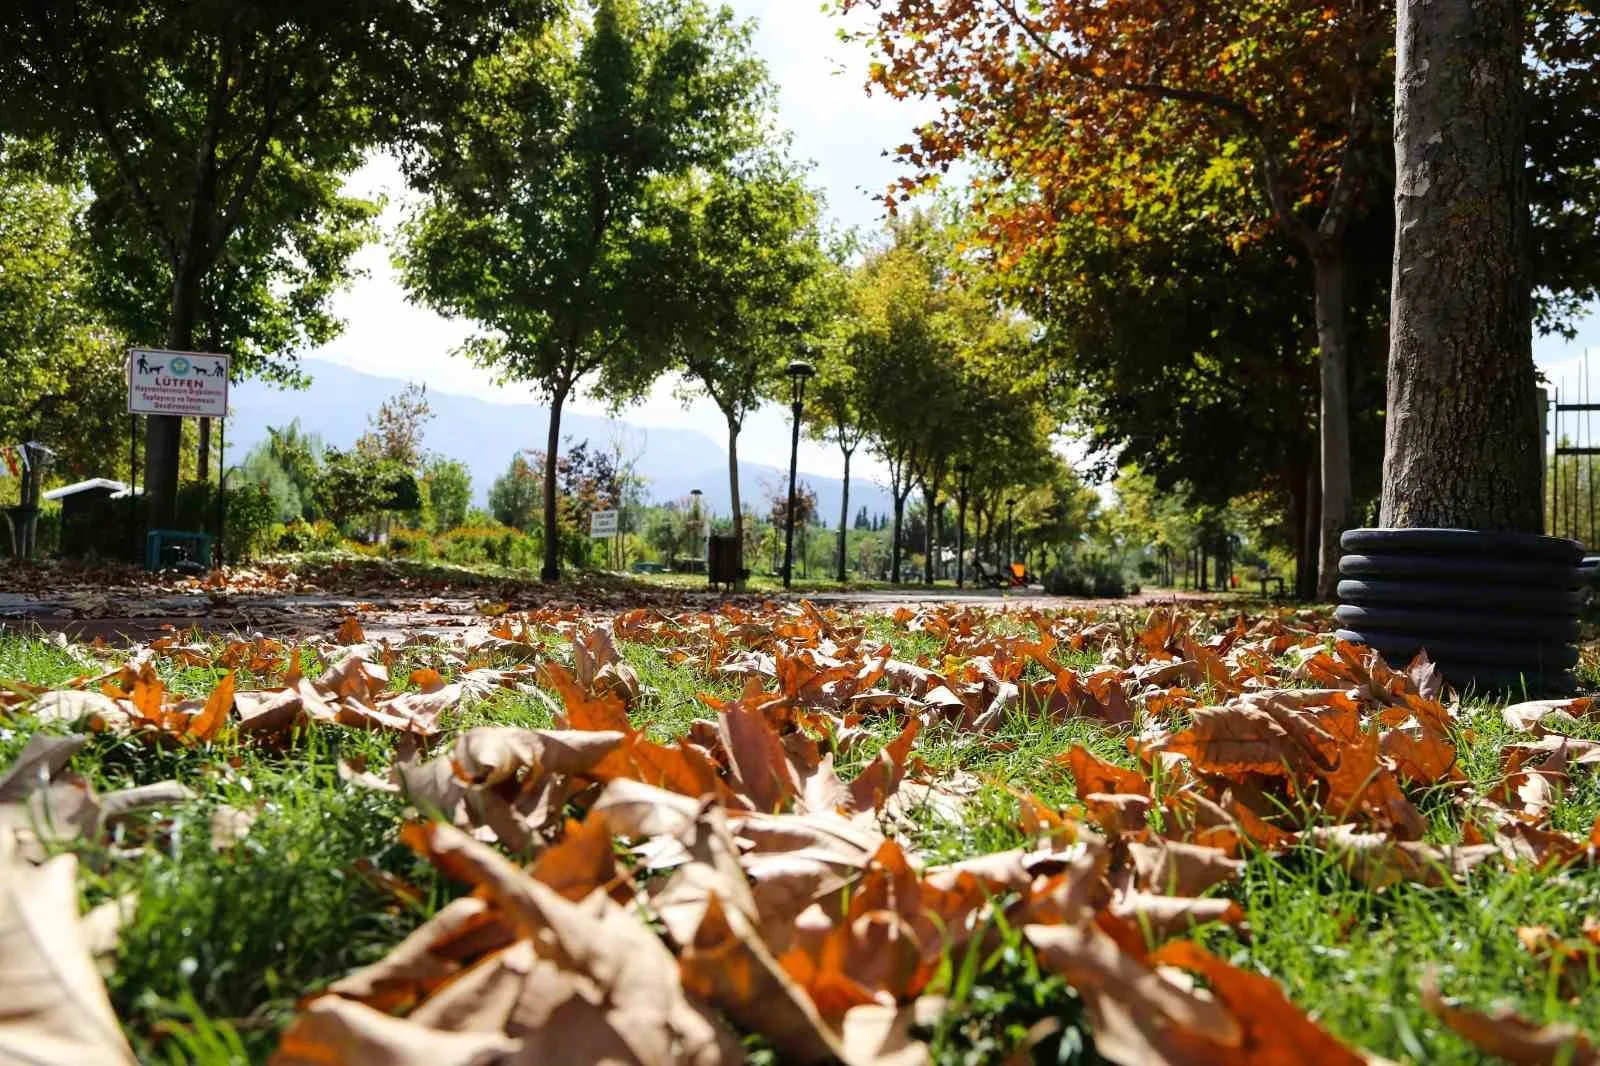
{"x":836,"y":125}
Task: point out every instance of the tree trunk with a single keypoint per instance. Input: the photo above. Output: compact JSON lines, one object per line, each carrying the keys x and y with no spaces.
{"x":899,"y":512}
{"x":551,"y":570}
{"x":1461,"y":442}
{"x":203,"y":464}
{"x":164,"y":433}
{"x":844,"y":517}
{"x":1333,"y":423}
{"x":930,"y":538}
{"x":733,"y":488}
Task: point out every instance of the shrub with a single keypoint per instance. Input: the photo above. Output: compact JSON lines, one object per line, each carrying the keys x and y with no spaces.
{"x":1091,"y":577}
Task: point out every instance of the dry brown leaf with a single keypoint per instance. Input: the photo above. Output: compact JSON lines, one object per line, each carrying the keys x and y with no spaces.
{"x":56,"y":1009}
{"x":102,"y":927}
{"x":641,"y":1005}
{"x":881,"y":778}
{"x":1508,"y":1035}
{"x":712,"y":869}
{"x":1146,"y":1010}
{"x":1377,"y":860}
{"x":1091,"y":774}
{"x":44,"y":757}
{"x":875,"y":1034}
{"x":756,"y":756}
{"x":339,"y":1032}
{"x":489,"y":755}
{"x":581,"y":861}
{"x":80,"y":709}
{"x":1534,"y":714}
{"x":727,"y":965}
{"x":423,"y":961}
{"x":1173,"y":868}
{"x":209,"y":722}
{"x":1274,"y":1031}
{"x":350,"y":632}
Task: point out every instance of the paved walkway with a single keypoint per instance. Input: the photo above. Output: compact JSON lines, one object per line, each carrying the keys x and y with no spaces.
{"x":133,"y":613}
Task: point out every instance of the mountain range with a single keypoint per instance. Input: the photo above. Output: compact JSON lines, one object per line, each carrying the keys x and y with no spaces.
{"x":485,"y":434}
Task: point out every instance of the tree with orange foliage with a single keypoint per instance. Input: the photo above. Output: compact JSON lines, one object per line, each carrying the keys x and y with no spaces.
{"x":1072,"y":108}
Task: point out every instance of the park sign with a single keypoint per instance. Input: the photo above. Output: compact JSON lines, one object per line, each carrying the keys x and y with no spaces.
{"x":603,"y":524}
{"x":181,"y":384}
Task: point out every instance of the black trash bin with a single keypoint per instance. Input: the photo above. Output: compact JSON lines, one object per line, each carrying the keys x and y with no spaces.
{"x":1495,"y":610}
{"x":722,"y":563}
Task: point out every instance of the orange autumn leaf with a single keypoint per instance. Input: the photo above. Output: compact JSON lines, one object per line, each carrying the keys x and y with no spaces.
{"x":1274,"y":1032}
{"x":350,"y":632}
{"x":1093,"y":774}
{"x":1509,"y":1036}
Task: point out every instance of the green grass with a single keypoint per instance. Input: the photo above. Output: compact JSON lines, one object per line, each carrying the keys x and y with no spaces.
{"x":224,"y":944}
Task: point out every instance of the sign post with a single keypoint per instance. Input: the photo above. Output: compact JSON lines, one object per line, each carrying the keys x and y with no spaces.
{"x":183,"y":385}
{"x":603,"y":524}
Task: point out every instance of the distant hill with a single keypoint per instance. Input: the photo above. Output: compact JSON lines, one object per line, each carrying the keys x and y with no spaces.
{"x":485,"y":434}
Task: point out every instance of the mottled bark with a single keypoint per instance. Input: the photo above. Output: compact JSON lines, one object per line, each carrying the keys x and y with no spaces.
{"x":844,"y":518}
{"x":1309,"y":533}
{"x":551,"y":571}
{"x":899,"y":513}
{"x":1461,"y":443}
{"x":733,"y":487}
{"x":1334,"y":416}
{"x":164,"y":433}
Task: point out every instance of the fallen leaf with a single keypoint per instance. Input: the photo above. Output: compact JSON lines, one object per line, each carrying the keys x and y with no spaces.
{"x":56,"y":1008}
{"x":338,"y":1032}
{"x":1508,"y":1035}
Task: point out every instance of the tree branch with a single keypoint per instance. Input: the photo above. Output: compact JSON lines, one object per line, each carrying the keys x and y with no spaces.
{"x":100,"y":108}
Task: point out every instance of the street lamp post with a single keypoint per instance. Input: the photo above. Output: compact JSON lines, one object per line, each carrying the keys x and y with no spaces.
{"x":963,"y":474}
{"x":799,"y":370}
{"x":1011,"y":536}
{"x":697,"y":519}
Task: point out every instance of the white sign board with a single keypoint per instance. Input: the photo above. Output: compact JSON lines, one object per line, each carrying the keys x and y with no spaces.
{"x":184,"y":384}
{"x":602,"y":523}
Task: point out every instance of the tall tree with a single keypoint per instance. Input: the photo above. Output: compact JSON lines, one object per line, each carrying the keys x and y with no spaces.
{"x":904,"y":357}
{"x":1462,"y":447}
{"x":62,"y":382}
{"x":514,"y":496}
{"x":269,"y":295}
{"x":1067,"y":107}
{"x":540,"y":224}
{"x":394,"y":431}
{"x":447,"y":486}
{"x":835,"y":404}
{"x":741,"y":286}
{"x":192,"y":113}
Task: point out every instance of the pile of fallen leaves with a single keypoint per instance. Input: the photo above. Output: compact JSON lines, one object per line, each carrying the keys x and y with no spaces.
{"x":640,"y":901}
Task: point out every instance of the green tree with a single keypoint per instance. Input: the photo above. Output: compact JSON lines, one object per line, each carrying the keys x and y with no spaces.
{"x":357,"y":486}
{"x":744,"y":257}
{"x":540,"y":221}
{"x":834,"y":403}
{"x":906,"y":352}
{"x":62,"y":380}
{"x":664,"y":531}
{"x":514,"y":496}
{"x":205,"y":117}
{"x":447,"y":485}
{"x":262,"y":468}
{"x":300,"y":455}
{"x":395,"y":431}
